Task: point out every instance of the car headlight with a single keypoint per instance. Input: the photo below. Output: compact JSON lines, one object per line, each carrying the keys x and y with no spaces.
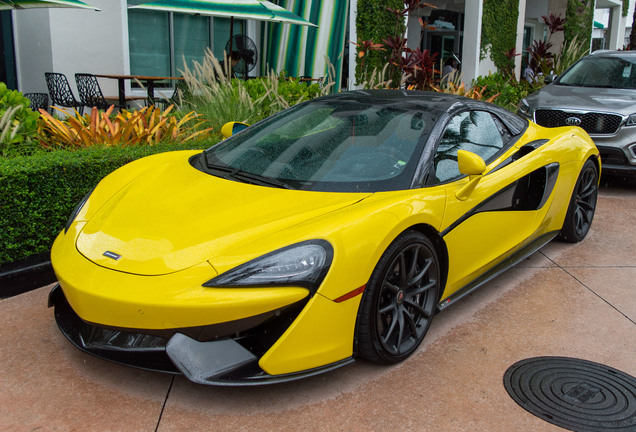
{"x":78,"y":208}
{"x":631,"y":120}
{"x":302,"y":264}
{"x":524,"y":108}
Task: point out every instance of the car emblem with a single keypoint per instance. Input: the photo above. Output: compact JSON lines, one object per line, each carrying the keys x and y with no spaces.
{"x":573,"y":121}
{"x":112,"y":255}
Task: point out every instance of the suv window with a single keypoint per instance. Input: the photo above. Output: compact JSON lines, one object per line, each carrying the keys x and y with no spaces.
{"x":603,"y":72}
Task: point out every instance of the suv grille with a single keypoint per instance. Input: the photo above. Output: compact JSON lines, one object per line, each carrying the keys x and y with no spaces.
{"x":592,"y":123}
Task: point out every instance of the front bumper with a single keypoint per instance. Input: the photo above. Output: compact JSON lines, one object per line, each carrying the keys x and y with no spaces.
{"x":615,"y":160}
{"x":230,"y":360}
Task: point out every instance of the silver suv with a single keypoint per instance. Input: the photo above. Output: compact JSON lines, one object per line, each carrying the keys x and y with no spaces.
{"x":597,"y":93}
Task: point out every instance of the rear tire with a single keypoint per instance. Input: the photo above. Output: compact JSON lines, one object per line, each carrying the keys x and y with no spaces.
{"x":578,"y":219}
{"x":399,"y":301}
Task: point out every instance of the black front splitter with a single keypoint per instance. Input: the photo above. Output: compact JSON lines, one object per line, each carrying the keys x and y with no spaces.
{"x":222,"y":362}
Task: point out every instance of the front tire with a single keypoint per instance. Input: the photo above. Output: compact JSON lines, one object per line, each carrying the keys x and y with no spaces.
{"x":399,"y":301}
{"x":578,"y":219}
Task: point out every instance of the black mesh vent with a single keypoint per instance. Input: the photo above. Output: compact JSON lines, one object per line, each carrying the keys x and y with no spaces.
{"x":613,"y":156}
{"x":592,"y":123}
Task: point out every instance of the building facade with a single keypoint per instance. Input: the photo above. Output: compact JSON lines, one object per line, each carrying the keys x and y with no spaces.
{"x":119,"y":40}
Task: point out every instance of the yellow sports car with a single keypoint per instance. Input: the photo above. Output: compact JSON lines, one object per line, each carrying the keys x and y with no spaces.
{"x":331,"y":231}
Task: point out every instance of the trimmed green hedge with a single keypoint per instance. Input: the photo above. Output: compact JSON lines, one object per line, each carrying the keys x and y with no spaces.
{"x":499,"y":31}
{"x":39,"y":192}
{"x":374,"y":22}
{"x":579,"y":19}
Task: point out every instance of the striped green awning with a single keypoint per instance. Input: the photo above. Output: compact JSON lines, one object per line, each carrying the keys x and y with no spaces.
{"x":308,"y":51}
{"x":243,"y":9}
{"x":32,"y":4}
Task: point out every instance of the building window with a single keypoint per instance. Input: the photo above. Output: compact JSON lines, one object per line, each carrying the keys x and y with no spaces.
{"x":526,"y":57}
{"x":161,"y":43}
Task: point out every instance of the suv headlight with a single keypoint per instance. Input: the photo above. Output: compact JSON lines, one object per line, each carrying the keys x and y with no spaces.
{"x":631,"y":120}
{"x":524,"y":108}
{"x":303,"y":264}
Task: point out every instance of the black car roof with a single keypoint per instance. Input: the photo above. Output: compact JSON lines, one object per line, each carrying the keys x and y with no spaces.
{"x":441,"y":103}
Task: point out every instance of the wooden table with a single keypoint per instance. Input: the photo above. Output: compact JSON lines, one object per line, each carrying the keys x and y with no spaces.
{"x":148,"y":81}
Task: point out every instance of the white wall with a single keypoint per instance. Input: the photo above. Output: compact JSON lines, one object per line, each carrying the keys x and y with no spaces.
{"x":32,"y":38}
{"x":519,"y":43}
{"x":471,"y":65}
{"x":71,"y":41}
{"x":92,"y":42}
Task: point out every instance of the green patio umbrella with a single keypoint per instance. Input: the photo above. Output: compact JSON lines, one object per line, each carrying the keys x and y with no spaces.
{"x":32,"y":4}
{"x":259,"y":10}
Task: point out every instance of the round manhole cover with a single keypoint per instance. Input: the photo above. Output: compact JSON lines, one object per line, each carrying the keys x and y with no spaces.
{"x":575,"y":394}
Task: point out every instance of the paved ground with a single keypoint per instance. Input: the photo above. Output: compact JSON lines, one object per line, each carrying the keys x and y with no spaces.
{"x":575,"y":301}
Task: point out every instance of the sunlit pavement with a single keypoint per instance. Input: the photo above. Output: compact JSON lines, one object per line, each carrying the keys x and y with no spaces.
{"x":566,"y":300}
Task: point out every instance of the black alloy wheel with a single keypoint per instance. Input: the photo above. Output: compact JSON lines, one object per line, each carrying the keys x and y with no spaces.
{"x":399,"y":301}
{"x":578,"y":219}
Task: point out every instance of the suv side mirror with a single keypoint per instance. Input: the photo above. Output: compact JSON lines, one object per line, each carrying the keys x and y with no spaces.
{"x":549,"y":79}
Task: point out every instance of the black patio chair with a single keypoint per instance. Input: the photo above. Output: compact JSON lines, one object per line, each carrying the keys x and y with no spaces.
{"x":61,"y":93}
{"x":90,"y":92}
{"x":38,"y":101}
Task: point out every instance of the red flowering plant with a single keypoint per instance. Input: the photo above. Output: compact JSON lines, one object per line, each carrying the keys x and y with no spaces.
{"x":543,"y":58}
{"x":416,"y":67}
{"x":420,"y":66}
{"x":509,"y":71}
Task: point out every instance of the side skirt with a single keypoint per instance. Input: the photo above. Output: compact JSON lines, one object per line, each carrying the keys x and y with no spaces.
{"x":513,"y":259}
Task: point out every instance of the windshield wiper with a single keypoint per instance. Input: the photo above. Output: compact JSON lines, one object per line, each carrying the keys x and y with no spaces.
{"x":246,"y":177}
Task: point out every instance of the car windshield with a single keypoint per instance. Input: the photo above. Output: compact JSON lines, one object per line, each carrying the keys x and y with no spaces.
{"x":327,"y":145}
{"x":604,"y":72}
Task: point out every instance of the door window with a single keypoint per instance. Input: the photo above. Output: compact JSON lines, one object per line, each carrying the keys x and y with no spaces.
{"x":474,"y":131}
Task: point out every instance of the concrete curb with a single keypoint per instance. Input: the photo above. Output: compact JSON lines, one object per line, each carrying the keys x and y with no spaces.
{"x":26,"y":275}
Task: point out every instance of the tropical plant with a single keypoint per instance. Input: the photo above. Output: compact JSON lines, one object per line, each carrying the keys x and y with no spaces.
{"x":508,"y":91}
{"x":416,"y":67}
{"x":571,"y":52}
{"x":146,"y":126}
{"x":377,"y":80}
{"x":454,"y":85}
{"x":219,"y":99}
{"x":542,"y":56}
{"x":365,"y":47}
{"x":554,"y":23}
{"x":17,"y":123}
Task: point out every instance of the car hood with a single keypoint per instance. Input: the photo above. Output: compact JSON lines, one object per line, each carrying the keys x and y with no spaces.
{"x":619,"y":101}
{"x":173,"y":217}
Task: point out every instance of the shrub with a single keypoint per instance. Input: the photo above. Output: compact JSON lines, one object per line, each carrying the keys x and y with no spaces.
{"x":39,"y":192}
{"x":457,"y":87}
{"x":220,"y":99}
{"x":146,"y":126}
{"x":17,"y":123}
{"x":508,"y":91}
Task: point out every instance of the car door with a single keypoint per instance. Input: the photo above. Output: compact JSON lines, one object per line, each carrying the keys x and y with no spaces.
{"x":483,"y":228}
